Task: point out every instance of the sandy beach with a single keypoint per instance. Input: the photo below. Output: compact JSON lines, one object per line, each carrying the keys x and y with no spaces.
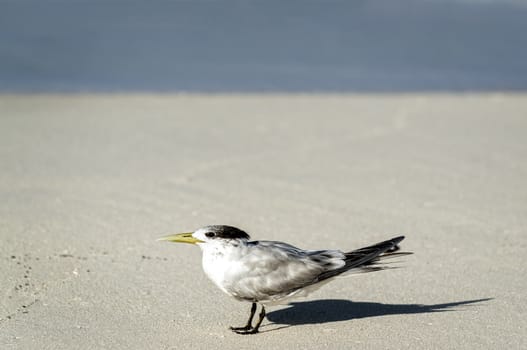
{"x":88,"y":182}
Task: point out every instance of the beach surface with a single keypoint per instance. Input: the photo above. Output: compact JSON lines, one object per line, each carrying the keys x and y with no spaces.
{"x":88,"y":182}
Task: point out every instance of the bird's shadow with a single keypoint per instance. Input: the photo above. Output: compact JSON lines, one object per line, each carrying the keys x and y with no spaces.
{"x":332,"y":310}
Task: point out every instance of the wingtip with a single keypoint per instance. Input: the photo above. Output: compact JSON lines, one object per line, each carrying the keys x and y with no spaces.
{"x":395,"y":244}
{"x":397,"y":239}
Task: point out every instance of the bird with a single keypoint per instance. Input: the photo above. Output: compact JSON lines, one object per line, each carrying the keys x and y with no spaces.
{"x":271,"y":272}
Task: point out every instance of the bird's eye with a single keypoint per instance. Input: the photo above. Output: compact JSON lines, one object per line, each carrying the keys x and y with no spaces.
{"x":209,"y":234}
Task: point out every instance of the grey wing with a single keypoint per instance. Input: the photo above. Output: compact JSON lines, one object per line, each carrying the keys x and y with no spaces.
{"x":273,"y":270}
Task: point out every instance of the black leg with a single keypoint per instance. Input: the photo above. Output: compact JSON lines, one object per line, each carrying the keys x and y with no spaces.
{"x":260,"y":319}
{"x":257,"y":327}
{"x":249,"y":325}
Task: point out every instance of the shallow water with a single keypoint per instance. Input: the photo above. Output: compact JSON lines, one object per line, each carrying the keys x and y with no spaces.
{"x":259,"y":46}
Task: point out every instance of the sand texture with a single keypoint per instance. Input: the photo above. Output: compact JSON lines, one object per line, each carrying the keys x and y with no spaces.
{"x":88,"y":182}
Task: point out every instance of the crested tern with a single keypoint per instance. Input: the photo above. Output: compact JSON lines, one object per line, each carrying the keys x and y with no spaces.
{"x":270,"y":272}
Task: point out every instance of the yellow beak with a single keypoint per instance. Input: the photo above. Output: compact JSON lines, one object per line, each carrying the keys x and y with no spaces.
{"x":181,"y":237}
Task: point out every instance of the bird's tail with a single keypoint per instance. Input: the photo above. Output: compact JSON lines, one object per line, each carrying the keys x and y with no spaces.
{"x":368,"y":259}
{"x":371,"y":258}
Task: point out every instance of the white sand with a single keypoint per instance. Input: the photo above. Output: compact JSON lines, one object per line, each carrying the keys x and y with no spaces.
{"x":87,"y":183}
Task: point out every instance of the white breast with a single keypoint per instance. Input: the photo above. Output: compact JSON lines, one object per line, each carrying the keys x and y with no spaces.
{"x":220,"y":263}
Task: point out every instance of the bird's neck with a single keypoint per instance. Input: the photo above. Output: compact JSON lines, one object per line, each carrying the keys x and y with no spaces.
{"x":219,"y":258}
{"x":217,"y":250}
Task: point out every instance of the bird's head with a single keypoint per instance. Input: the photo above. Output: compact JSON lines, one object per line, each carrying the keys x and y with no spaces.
{"x":208,"y":234}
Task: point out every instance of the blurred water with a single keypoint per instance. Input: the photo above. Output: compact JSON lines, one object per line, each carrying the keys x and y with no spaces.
{"x":237,"y":46}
